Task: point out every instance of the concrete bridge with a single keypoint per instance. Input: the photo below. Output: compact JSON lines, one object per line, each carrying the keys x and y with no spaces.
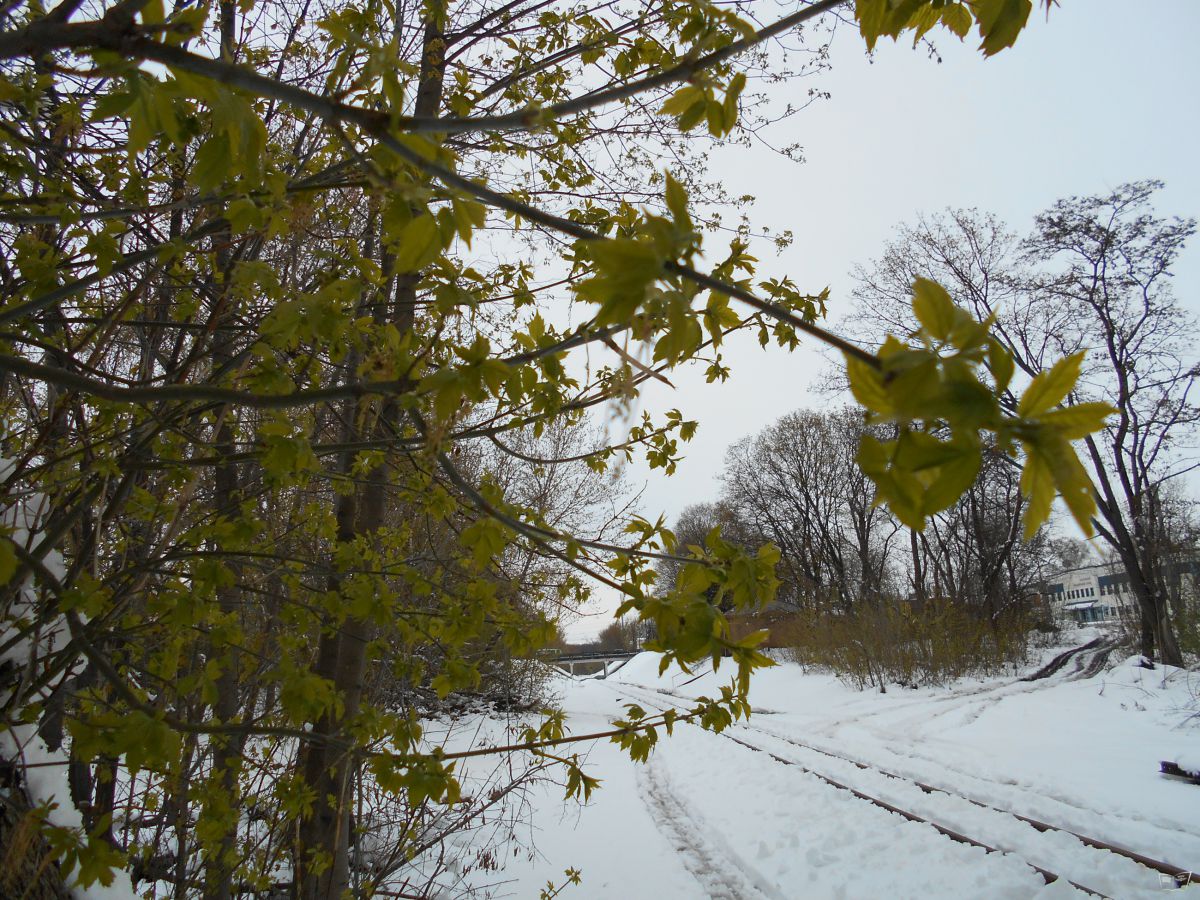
{"x":608,"y":661}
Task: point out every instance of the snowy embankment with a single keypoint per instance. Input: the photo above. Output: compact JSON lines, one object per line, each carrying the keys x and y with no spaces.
{"x":712,"y":817}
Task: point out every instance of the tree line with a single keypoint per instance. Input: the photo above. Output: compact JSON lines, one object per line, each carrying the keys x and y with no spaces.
{"x":1092,"y":275}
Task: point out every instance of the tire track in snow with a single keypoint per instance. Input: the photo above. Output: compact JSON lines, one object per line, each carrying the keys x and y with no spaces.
{"x":976,"y":702}
{"x":956,"y":835}
{"x":1048,"y":676}
{"x":1063,"y":658}
{"x":705,"y":853}
{"x":1086,"y":661}
{"x":909,"y":755}
{"x":906,"y":733}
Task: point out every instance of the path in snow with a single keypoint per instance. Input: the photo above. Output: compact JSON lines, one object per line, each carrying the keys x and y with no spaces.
{"x":1007,"y":744}
{"x":965,"y":821}
{"x":706,"y":854}
{"x":709,"y":818}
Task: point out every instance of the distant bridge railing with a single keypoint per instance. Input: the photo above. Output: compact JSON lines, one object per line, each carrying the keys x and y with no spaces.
{"x":609,"y":661}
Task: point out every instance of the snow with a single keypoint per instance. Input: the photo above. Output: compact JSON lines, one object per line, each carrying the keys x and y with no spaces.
{"x":709,"y":817}
{"x":46,"y":782}
{"x":1188,"y":760}
{"x":45,"y":770}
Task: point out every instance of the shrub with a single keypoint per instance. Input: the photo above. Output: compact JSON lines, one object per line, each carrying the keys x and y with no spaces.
{"x":911,"y":644}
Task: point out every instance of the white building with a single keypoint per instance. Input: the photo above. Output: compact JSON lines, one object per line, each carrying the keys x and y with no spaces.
{"x":1100,"y":593}
{"x":1096,"y":593}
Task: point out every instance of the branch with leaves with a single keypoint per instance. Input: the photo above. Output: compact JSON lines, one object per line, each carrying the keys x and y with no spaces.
{"x":265,"y":327}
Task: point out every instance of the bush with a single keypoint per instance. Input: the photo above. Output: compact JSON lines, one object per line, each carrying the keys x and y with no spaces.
{"x":899,"y":642}
{"x":1187,"y":624}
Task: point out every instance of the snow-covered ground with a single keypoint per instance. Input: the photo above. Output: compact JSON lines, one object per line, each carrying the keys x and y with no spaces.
{"x":788,"y":804}
{"x":713,"y":817}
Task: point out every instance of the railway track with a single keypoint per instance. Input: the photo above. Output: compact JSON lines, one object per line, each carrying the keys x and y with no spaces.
{"x":750,"y":737}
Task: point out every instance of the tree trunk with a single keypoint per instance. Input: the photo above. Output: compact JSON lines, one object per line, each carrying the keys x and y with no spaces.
{"x":1136,"y":552}
{"x":324,"y":838}
{"x":227,"y":750}
{"x":1164,"y":633}
{"x":1157,"y":637}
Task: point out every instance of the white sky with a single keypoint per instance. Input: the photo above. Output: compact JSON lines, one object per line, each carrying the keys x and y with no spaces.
{"x":1104,"y":92}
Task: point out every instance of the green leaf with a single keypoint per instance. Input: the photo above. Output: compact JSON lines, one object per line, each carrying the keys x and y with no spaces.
{"x":676,"y":198}
{"x":1073,"y":484}
{"x":1000,"y":364}
{"x":872,"y":18}
{"x":901,"y":491}
{"x":692,"y":116}
{"x":714,"y":114}
{"x":624,"y":270}
{"x":244,"y":214}
{"x":884,"y":18}
{"x":916,"y":451}
{"x":681,"y":338}
{"x":105,"y":251}
{"x":1049,"y":388}
{"x":142,"y":116}
{"x":152,"y":12}
{"x":486,"y":539}
{"x":1000,"y":21}
{"x":957,"y":18}
{"x":953,"y":479}
{"x":682,"y":100}
{"x":736,"y":85}
{"x":10,"y":91}
{"x":630,"y":260}
{"x":448,"y":388}
{"x":304,"y":696}
{"x":1079,"y":420}
{"x":933,"y":308}
{"x":97,"y":860}
{"x":468,"y":215}
{"x":1037,"y":484}
{"x":873,"y":457}
{"x":866,"y":383}
{"x":718,"y":317}
{"x":419,"y":243}
{"x":212,"y":162}
{"x":113,"y":104}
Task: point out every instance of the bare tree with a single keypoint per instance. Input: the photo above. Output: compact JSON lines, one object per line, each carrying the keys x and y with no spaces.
{"x":796,"y":484}
{"x":693,"y":526}
{"x":973,"y":552}
{"x":1093,"y":275}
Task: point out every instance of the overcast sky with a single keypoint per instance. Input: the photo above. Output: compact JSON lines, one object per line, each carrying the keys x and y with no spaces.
{"x":1104,"y":92}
